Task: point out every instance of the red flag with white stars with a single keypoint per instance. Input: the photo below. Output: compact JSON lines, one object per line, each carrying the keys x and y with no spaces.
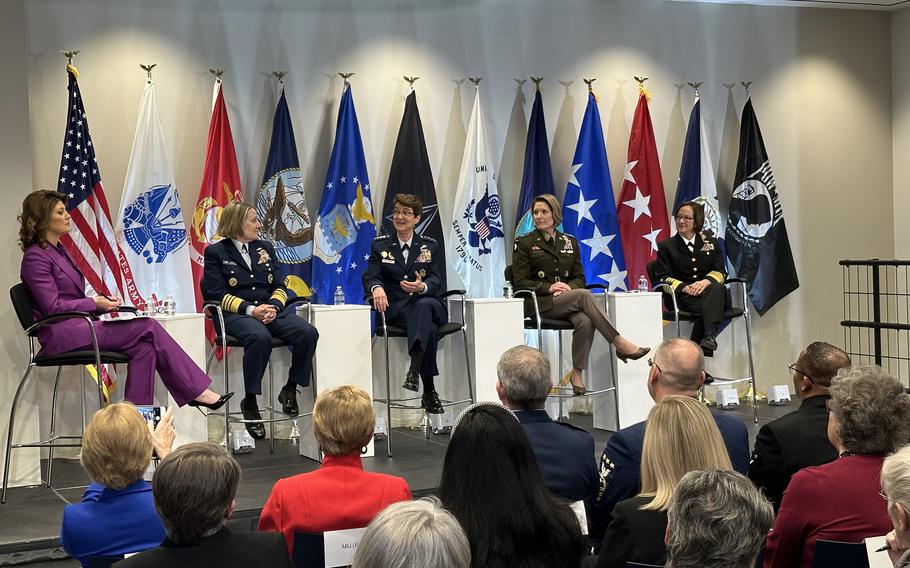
{"x":220,"y":186}
{"x":642,"y":210}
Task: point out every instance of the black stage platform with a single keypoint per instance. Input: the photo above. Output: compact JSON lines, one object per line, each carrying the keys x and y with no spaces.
{"x":30,"y":520}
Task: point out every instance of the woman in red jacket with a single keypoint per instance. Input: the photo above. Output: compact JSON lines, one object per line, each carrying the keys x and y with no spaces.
{"x":339,"y":495}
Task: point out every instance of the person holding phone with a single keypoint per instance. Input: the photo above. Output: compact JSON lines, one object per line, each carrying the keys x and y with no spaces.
{"x":402,"y":277}
{"x":58,"y":286}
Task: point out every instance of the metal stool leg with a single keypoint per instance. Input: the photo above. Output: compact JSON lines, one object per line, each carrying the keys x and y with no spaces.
{"x":388,"y":396}
{"x":227,"y":404}
{"x":559,"y":374}
{"x":50,"y":450}
{"x":271,"y":408}
{"x":467,"y":364}
{"x":9,"y":431}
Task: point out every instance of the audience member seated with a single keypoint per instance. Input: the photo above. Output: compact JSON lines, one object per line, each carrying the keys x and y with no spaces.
{"x":194,"y":491}
{"x":716,"y":519}
{"x":338,"y":495}
{"x":414,"y":534}
{"x":869,"y":417}
{"x":896,"y":490}
{"x":669,"y":452}
{"x":492,"y":484}
{"x":116,"y":515}
{"x":565,"y":453}
{"x":799,"y":439}
{"x":677,"y":368}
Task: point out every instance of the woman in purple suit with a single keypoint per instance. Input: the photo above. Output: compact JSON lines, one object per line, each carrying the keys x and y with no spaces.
{"x":58,"y":286}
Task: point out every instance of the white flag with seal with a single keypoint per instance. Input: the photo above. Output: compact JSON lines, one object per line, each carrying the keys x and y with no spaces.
{"x":151,"y":232}
{"x":476,"y":246}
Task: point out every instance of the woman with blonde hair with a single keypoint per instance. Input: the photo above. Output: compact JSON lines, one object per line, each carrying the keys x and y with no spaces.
{"x":339,"y":495}
{"x":680,"y":436}
{"x":117,"y":514}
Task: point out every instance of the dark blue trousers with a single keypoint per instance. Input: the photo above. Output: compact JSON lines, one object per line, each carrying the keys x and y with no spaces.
{"x":256,"y":338}
{"x":421,"y":316}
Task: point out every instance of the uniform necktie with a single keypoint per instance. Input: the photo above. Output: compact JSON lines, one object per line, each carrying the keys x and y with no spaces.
{"x":404,"y":251}
{"x":245,"y":252}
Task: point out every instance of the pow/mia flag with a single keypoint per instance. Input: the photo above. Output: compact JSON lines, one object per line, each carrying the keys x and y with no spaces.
{"x":410,"y":173}
{"x":757,"y":243}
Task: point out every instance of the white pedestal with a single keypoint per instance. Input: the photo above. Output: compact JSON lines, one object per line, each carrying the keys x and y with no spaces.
{"x":637,"y":317}
{"x":494,"y":326}
{"x":188,"y":330}
{"x":343,"y":357}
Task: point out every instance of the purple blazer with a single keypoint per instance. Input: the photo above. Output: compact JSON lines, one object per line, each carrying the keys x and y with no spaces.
{"x":57,"y":286}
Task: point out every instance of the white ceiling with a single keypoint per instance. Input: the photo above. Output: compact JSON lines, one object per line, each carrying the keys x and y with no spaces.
{"x":850,"y":4}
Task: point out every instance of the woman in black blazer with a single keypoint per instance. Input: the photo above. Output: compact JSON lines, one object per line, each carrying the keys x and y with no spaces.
{"x":670,"y":450}
{"x":194,"y":490}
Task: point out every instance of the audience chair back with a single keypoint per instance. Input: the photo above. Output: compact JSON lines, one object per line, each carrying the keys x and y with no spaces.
{"x":101,"y":561}
{"x":833,"y":554}
{"x":330,"y":549}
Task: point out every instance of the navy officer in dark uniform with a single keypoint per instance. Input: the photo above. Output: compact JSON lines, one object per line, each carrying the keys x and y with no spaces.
{"x":402,"y":277}
{"x":693,"y":264}
{"x":241,"y":272}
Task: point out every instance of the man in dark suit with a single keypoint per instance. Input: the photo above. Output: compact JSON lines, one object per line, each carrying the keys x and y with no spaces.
{"x":677,"y":368}
{"x":800,"y":438}
{"x":564,"y":452}
{"x":402,"y":276}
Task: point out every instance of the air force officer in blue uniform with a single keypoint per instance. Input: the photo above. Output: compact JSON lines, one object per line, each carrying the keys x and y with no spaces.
{"x":242,"y":273}
{"x":402,"y":277}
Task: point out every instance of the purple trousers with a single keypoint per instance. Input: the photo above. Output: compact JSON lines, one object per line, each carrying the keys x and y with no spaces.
{"x":151,"y":349}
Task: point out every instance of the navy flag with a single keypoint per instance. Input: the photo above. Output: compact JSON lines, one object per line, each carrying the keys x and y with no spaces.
{"x":281,"y":205}
{"x":411,"y":173}
{"x":346,"y":228}
{"x":757,"y":243}
{"x":537,"y":177}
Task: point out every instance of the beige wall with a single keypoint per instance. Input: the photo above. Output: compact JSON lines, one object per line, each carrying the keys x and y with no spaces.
{"x":900,"y":99}
{"x":822,"y":92}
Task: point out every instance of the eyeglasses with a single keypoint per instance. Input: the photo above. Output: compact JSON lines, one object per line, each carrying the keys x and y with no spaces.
{"x":794,"y":369}
{"x":683,"y":218}
{"x":651,"y":363}
{"x":402,"y":213}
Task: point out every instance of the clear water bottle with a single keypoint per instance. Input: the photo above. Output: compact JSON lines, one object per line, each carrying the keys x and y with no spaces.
{"x":507,"y":290}
{"x":642,"y":283}
{"x":339,"y":296}
{"x":170,"y":306}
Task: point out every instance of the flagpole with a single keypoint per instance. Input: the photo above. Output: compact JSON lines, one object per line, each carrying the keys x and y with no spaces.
{"x":537,"y":81}
{"x":148,"y":70}
{"x":695,"y":86}
{"x":411,"y":81}
{"x":746,"y":85}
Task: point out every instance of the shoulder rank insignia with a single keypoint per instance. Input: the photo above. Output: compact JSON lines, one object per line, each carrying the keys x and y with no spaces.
{"x":606,"y":468}
{"x":380,"y":237}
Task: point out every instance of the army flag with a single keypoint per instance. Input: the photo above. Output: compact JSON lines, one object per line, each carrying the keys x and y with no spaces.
{"x":346,"y":227}
{"x":220,"y":186}
{"x":642,"y":211}
{"x":282,"y":207}
{"x":757,"y":242}
{"x":696,"y":175}
{"x":151,"y":232}
{"x":476,"y":242}
{"x":537,"y":177}
{"x":410,"y":173}
{"x":589,"y":210}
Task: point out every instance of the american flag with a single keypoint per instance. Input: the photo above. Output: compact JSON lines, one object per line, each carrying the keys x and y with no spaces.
{"x":91,"y":244}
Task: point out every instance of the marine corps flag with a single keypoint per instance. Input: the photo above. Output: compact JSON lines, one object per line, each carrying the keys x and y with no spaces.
{"x":757,"y":242}
{"x":643,"y":220}
{"x":410,"y":173}
{"x":281,"y":205}
{"x":220,"y":186}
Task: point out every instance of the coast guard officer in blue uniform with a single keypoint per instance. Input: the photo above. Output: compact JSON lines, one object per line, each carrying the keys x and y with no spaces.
{"x":402,"y":277}
{"x":241,"y":272}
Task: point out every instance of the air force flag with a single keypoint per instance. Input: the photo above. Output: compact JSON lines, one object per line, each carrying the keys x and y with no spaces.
{"x":151,"y":234}
{"x":476,"y":241}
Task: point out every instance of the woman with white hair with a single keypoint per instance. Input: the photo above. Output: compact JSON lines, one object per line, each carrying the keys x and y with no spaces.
{"x":896,"y":491}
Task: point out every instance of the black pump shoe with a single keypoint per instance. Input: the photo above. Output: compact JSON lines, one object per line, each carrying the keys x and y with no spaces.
{"x":214,"y":405}
{"x":635,"y":355}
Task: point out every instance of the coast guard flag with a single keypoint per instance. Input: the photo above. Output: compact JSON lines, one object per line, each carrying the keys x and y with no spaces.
{"x":151,"y":233}
{"x":696,"y":176}
{"x":91,"y":242}
{"x":643,"y":220}
{"x":281,"y":205}
{"x":757,"y":242}
{"x":411,"y":173}
{"x":475,"y":244}
{"x":537,"y":177}
{"x":220,"y":186}
{"x":589,"y":211}
{"x":346,"y":227}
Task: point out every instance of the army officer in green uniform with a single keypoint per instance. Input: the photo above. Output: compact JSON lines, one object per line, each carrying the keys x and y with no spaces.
{"x":549,"y":262}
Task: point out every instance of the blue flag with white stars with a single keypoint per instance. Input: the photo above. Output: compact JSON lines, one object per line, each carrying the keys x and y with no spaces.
{"x":589,"y":210}
{"x":346,"y":226}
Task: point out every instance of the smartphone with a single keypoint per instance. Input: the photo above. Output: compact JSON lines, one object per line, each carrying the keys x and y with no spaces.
{"x":153,"y":413}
